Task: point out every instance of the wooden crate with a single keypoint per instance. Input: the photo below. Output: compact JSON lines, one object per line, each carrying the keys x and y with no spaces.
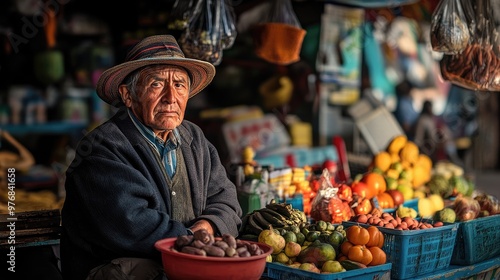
{"x":31,"y":228}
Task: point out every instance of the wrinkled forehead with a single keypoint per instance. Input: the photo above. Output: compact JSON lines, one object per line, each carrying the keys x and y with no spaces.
{"x":162,"y":68}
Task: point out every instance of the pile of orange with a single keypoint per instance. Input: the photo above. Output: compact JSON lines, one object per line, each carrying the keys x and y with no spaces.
{"x":402,"y":160}
{"x":363,"y":245}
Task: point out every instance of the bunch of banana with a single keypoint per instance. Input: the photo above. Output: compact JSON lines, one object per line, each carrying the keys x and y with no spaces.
{"x":277,"y":215}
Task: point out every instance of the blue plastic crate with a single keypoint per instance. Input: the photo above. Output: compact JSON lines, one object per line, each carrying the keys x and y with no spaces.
{"x":412,"y":203}
{"x":417,"y":252}
{"x":296,"y":201}
{"x":477,"y":240}
{"x":283,"y":272}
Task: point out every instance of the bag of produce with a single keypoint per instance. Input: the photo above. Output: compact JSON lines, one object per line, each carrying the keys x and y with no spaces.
{"x":202,"y":38}
{"x":228,"y":24}
{"x":327,"y":205}
{"x":449,"y":28}
{"x":279,"y":39}
{"x":477,"y":66}
{"x":178,"y":20}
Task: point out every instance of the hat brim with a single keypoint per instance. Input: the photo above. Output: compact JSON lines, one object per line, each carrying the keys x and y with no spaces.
{"x":200,"y":72}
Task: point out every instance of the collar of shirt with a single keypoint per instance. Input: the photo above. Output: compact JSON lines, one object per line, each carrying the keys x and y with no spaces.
{"x":166,"y":150}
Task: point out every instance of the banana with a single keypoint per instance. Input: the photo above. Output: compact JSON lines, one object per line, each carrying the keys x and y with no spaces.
{"x":253,"y":226}
{"x":280,"y":208}
{"x":260,"y":220}
{"x":272,"y":213}
{"x":276,"y":222}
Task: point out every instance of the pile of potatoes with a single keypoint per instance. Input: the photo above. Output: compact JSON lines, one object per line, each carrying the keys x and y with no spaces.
{"x":202,"y":243}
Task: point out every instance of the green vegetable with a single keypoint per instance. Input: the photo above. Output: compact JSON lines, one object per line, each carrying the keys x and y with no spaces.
{"x":438,"y":184}
{"x":459,"y":184}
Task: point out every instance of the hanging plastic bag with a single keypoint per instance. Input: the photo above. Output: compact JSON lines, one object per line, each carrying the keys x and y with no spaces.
{"x":477,"y":67}
{"x":279,"y":39}
{"x":180,"y":14}
{"x":202,"y":38}
{"x":228,"y":25}
{"x":449,"y":28}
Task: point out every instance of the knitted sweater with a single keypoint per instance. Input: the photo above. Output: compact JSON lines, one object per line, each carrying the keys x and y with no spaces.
{"x":117,"y":201}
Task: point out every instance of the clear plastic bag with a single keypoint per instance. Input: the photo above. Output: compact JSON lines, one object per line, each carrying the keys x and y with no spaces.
{"x":279,"y":39}
{"x":477,"y":67}
{"x":449,"y":28}
{"x":228,"y":25}
{"x":282,"y":12}
{"x":327,"y":205}
{"x":180,"y":14}
{"x":202,"y":38}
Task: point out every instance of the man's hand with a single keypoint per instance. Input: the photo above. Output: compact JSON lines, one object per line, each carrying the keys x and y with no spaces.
{"x":203,"y":224}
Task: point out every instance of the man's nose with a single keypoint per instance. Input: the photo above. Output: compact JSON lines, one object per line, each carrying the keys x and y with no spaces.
{"x":168,"y":94}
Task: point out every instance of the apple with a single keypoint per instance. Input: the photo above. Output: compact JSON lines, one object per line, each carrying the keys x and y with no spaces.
{"x":397,"y":196}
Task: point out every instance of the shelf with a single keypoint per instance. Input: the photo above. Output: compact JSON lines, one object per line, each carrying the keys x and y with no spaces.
{"x":372,"y":3}
{"x":45,"y":128}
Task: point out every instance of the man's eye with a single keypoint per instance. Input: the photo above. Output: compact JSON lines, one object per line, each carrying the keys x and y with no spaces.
{"x":156,"y":84}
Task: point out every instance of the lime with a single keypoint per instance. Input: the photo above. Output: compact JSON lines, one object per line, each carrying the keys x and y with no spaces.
{"x":300,"y":238}
{"x":335,"y":239}
{"x":290,"y":236}
{"x":321,"y":225}
{"x":312,"y":236}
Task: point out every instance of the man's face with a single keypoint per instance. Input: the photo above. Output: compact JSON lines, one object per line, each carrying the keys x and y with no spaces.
{"x":162,"y":95}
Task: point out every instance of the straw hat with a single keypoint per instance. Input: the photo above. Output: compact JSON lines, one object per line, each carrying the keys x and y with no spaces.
{"x":159,"y":49}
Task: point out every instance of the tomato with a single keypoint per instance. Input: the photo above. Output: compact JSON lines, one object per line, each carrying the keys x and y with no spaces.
{"x":345,"y":192}
{"x":364,"y":206}
{"x":376,"y":237}
{"x":385,"y":200}
{"x":375,"y":181}
{"x":359,"y":253}
{"x":378,"y":256}
{"x":357,"y":235}
{"x":362,"y":189}
{"x":345,"y":246}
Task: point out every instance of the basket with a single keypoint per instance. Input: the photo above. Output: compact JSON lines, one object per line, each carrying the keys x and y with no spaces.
{"x":417,"y":252}
{"x":280,"y":271}
{"x":477,"y":240}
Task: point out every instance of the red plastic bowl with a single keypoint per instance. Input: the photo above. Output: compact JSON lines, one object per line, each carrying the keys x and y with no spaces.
{"x":185,"y":266}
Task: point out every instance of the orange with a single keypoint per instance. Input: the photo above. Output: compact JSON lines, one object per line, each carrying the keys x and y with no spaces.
{"x":396,"y":144}
{"x":382,"y":161}
{"x":424,"y":161}
{"x":375,"y":181}
{"x":409,"y":152}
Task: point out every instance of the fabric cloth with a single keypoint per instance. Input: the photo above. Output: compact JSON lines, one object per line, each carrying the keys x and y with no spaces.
{"x":118,"y":202}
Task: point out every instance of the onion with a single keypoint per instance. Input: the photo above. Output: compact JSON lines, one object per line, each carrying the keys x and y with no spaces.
{"x":466,"y":208}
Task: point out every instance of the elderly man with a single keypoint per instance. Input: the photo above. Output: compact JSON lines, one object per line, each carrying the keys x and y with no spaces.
{"x":145,"y":174}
